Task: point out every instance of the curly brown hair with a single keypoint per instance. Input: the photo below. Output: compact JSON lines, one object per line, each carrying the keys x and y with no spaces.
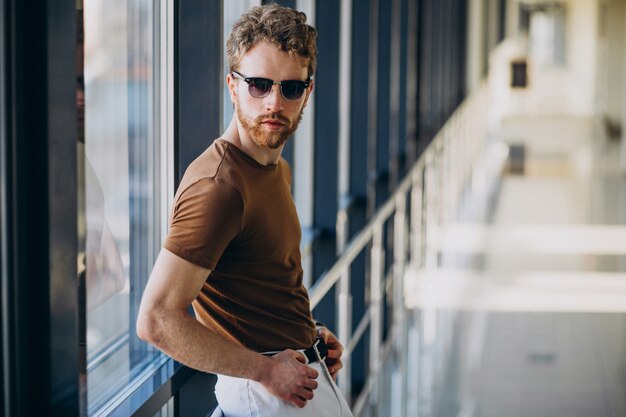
{"x":278,"y":25}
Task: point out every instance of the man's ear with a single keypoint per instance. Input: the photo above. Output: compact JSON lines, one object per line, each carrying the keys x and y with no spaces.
{"x":309,"y":92}
{"x":232,"y":87}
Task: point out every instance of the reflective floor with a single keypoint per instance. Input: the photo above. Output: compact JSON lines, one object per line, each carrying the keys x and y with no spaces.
{"x":525,"y":315}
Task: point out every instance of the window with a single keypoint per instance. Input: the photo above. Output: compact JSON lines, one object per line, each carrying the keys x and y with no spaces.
{"x":232,"y":11}
{"x":519,"y":73}
{"x":122,"y":167}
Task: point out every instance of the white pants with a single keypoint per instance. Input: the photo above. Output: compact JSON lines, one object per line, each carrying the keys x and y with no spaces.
{"x":240,"y":397}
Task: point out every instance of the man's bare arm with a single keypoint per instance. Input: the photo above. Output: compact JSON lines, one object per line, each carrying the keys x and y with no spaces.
{"x":164,"y":322}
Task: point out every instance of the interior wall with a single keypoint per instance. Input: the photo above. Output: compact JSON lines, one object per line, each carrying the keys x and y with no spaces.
{"x":562,"y":87}
{"x":582,"y":27}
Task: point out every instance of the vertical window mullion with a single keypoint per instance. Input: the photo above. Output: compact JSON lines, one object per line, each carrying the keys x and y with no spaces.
{"x":62,"y":197}
{"x":372,"y":116}
{"x":303,"y":168}
{"x":199,"y":78}
{"x":395,"y":78}
{"x":425,"y":45}
{"x":383,"y":113}
{"x":412,"y":85}
{"x":38,"y":209}
{"x":326,"y":146}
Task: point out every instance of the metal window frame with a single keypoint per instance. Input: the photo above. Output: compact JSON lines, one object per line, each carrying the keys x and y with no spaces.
{"x":412,"y":80}
{"x":325,"y":164}
{"x":304,"y":151}
{"x":384,"y":142}
{"x":372,"y":111}
{"x":38,"y":214}
{"x":198,"y":78}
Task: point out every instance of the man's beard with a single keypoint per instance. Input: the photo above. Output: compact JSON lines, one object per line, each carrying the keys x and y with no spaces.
{"x":266,"y":138}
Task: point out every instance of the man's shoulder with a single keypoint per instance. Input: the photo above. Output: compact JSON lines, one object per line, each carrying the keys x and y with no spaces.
{"x":213,"y":166}
{"x":208,"y":163}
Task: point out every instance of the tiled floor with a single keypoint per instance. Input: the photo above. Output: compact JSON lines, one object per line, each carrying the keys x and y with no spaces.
{"x":537,"y":326}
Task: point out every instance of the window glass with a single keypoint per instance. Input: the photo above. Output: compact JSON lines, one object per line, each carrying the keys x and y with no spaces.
{"x":167,"y":410}
{"x":119,"y":93}
{"x":232,"y":11}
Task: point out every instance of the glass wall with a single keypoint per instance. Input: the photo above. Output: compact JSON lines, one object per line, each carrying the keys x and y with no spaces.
{"x":232,"y":11}
{"x":120,"y":95}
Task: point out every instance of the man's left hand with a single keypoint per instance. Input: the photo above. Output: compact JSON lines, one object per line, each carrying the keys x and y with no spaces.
{"x":335,"y":350}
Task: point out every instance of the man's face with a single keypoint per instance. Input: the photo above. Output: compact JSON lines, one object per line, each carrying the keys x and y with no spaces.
{"x":268,"y":121}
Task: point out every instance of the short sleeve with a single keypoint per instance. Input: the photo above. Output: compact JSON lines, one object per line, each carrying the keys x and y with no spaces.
{"x":205,"y":218}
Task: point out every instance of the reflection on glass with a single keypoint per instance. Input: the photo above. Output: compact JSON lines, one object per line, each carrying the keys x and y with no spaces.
{"x":119,"y":163}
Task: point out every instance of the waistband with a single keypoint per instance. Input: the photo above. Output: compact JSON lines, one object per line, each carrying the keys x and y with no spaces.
{"x":311,"y":353}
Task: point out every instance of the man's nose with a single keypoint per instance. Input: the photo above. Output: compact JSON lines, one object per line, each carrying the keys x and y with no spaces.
{"x":274,"y":100}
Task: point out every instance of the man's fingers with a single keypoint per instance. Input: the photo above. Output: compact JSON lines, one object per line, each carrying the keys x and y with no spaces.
{"x":297,"y":401}
{"x":299,"y":356}
{"x":306,"y":394}
{"x":308,"y":372}
{"x":310,"y":384}
{"x":307,"y":382}
{"x":334,"y":353}
{"x":337,"y":347}
{"x":301,"y":398}
{"x":295,"y":381}
{"x":335,"y":368}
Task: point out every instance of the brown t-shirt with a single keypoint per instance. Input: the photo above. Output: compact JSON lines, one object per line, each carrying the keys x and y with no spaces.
{"x":237,"y":217}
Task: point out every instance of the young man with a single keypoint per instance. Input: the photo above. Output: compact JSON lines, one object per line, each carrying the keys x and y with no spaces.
{"x":233,"y":245}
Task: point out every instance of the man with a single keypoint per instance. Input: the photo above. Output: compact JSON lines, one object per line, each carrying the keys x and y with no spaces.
{"x":233,"y":245}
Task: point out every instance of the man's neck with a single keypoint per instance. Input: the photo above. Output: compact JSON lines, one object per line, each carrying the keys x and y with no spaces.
{"x":238,"y":137}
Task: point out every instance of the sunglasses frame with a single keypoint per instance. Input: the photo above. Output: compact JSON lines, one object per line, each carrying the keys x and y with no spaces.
{"x":249,"y":80}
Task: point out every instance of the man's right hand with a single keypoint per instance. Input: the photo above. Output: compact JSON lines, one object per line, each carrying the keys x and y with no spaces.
{"x":290,"y":379}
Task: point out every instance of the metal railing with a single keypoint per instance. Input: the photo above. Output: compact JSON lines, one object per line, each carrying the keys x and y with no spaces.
{"x":429,"y":196}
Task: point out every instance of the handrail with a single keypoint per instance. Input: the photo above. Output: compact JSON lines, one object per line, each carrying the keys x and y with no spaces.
{"x":358,"y":242}
{"x":355,"y":246}
{"x":431,"y":190}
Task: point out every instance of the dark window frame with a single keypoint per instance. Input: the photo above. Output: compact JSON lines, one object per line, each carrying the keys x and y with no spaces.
{"x":38,"y":213}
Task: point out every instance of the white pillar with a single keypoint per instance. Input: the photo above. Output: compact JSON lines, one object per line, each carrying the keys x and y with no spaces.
{"x":475,"y":33}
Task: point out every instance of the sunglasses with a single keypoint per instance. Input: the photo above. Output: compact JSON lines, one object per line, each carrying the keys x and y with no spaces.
{"x":260,"y":87}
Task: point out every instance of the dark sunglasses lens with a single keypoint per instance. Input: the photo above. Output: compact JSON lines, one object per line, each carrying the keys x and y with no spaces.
{"x":292,"y":90}
{"x":259,"y":87}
